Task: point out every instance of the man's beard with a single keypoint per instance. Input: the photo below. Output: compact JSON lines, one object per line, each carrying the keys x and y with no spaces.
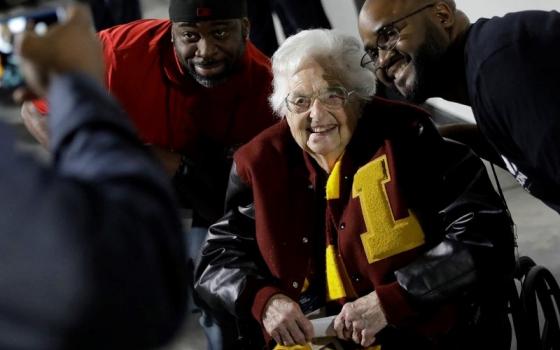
{"x":210,"y":81}
{"x":230,"y":66}
{"x":427,"y":66}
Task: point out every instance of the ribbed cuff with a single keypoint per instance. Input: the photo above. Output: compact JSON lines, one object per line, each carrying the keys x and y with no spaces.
{"x":261,"y":298}
{"x":395,"y":304}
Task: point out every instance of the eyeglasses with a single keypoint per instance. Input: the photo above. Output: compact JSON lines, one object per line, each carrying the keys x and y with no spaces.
{"x":333,"y":98}
{"x":387,"y":38}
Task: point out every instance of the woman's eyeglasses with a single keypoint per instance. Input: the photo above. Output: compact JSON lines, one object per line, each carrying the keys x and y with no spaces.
{"x":331,"y":98}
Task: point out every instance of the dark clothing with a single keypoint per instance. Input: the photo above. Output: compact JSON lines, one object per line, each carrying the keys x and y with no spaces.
{"x":359,"y":4}
{"x":294,"y":16}
{"x":91,"y":249}
{"x":415,"y":218}
{"x":108,"y":13}
{"x":512,"y":73}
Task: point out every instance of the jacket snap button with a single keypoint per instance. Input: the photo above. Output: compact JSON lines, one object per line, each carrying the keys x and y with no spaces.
{"x":295,"y":284}
{"x":342,"y":226}
{"x":356,"y":279}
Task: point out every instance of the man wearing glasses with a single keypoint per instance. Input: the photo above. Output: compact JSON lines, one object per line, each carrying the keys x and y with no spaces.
{"x":505,"y":68}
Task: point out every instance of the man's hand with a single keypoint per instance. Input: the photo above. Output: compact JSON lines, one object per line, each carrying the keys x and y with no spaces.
{"x":71,"y":46}
{"x":360,"y":320}
{"x":170,"y":160}
{"x":35,"y":123}
{"x":285,"y":322}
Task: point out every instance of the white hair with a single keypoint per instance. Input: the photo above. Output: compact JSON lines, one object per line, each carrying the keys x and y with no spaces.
{"x":341,"y":52}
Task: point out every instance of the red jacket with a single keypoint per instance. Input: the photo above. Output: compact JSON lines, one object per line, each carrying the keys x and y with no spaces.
{"x":168,"y":107}
{"x":171,"y":110}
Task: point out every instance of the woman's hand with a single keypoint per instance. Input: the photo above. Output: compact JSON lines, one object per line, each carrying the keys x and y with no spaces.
{"x":285,"y":322}
{"x":360,"y":320}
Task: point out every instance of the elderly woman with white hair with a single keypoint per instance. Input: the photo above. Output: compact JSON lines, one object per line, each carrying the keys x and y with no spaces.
{"x":355,"y":207}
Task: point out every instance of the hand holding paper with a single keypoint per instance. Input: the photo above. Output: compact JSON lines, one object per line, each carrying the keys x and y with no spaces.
{"x":361,"y":320}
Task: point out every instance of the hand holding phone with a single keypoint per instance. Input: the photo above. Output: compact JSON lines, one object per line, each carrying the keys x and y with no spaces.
{"x":36,"y":19}
{"x":70,"y":46}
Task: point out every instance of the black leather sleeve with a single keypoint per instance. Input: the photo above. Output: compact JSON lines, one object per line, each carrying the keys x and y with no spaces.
{"x":470,"y":233}
{"x":230,"y":268}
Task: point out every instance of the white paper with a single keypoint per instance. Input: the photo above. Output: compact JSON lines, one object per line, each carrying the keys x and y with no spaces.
{"x":323,"y":327}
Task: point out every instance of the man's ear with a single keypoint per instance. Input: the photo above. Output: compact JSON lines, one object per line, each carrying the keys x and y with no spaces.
{"x":445,"y":14}
{"x":245,"y":27}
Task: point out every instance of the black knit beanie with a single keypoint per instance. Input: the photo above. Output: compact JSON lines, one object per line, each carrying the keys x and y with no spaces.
{"x":204,"y":10}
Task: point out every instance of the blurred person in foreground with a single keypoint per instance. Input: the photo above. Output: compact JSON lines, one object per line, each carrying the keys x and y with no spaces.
{"x":355,"y":206}
{"x":91,"y":246}
{"x":196,"y":88}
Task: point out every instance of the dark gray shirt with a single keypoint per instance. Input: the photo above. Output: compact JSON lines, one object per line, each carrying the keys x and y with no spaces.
{"x":91,"y":250}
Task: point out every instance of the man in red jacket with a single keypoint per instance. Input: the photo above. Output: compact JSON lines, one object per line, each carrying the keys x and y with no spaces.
{"x":196,"y":89}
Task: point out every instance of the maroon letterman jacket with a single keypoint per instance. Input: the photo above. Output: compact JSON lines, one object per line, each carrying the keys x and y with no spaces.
{"x":264,"y":245}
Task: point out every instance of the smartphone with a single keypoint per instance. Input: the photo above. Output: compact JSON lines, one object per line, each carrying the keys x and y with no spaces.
{"x":38,"y":19}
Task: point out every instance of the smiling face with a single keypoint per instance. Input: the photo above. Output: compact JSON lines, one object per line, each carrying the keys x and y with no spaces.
{"x":210,"y":50}
{"x":321,"y":131}
{"x":411,"y":66}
